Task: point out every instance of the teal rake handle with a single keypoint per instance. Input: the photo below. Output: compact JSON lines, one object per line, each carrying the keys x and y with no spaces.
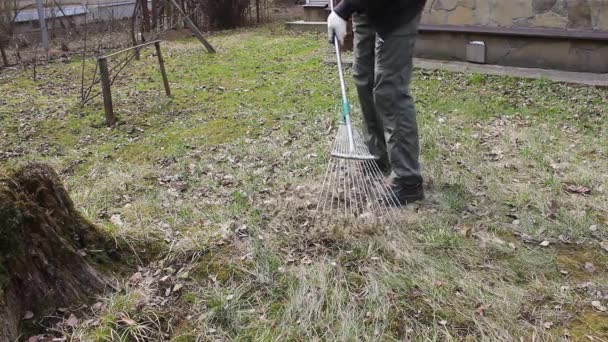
{"x":345,"y":105}
{"x":345,"y":112}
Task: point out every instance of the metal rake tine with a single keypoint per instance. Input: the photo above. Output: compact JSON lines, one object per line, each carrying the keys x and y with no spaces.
{"x":354,"y":189}
{"x":367,"y":191}
{"x":326,"y":186}
{"x":324,"y":189}
{"x":335,"y":189}
{"x":330,"y":174}
{"x":373,"y":197}
{"x":345,"y":186}
{"x":377,"y":188}
{"x":389,"y":194}
{"x":348,"y":190}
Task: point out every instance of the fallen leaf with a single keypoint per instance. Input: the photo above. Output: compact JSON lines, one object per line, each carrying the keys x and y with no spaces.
{"x":466,"y":231}
{"x":127,"y":321}
{"x":545,"y":243}
{"x":28,"y":315}
{"x":598,"y":306}
{"x":183,"y":275}
{"x":604,"y":245}
{"x":443,"y":322}
{"x":579,"y":190}
{"x":548,"y":325}
{"x":229,"y":297}
{"x":136,"y":278}
{"x":177,"y":287}
{"x":72,"y":321}
{"x":590,"y":267}
{"x":553,"y":210}
{"x":116,"y":220}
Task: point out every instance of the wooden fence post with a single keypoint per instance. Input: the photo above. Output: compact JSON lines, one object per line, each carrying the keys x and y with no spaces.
{"x":106,"y":90}
{"x":161,"y":62}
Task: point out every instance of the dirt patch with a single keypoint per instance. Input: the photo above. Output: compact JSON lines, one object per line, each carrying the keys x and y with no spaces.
{"x":581,"y":263}
{"x":590,"y":326}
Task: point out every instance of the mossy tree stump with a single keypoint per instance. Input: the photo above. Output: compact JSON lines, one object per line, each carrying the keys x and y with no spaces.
{"x":43,"y":248}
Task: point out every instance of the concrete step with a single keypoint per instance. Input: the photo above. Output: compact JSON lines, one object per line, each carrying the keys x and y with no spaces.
{"x":301,"y":25}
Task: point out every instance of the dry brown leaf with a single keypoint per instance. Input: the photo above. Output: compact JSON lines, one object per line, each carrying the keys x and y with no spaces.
{"x":306,"y":260}
{"x":590,"y":267}
{"x":578,"y":189}
{"x":598,"y":306}
{"x":466,"y":231}
{"x":553,"y":210}
{"x":72,"y":321}
{"x":136,"y":278}
{"x":127,"y":321}
{"x":116,"y":220}
{"x":604,"y":245}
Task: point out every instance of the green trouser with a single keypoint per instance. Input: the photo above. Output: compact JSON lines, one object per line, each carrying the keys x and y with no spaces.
{"x":382,"y":70}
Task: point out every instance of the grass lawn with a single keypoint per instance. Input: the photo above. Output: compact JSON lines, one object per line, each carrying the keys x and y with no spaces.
{"x":214,"y":187}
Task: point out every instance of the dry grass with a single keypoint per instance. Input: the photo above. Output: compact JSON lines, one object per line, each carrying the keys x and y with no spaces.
{"x":220,"y":181}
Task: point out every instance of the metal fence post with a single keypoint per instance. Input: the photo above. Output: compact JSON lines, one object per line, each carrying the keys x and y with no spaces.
{"x":44,"y":33}
{"x":106,"y":90}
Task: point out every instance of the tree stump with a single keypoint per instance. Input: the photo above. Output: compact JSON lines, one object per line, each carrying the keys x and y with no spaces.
{"x":43,"y":248}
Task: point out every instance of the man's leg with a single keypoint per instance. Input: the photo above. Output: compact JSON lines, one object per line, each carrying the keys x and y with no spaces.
{"x":363,"y":71}
{"x":395,"y":105}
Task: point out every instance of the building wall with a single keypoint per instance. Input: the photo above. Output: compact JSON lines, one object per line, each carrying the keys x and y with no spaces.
{"x":564,"y":14}
{"x":32,"y":3}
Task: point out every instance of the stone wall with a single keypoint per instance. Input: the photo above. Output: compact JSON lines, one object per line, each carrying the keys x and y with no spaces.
{"x":564,"y":14}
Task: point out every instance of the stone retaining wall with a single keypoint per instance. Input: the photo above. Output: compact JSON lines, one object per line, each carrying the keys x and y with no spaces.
{"x":565,"y":14}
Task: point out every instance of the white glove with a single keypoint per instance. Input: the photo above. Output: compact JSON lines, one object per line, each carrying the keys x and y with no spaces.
{"x":336,"y":27}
